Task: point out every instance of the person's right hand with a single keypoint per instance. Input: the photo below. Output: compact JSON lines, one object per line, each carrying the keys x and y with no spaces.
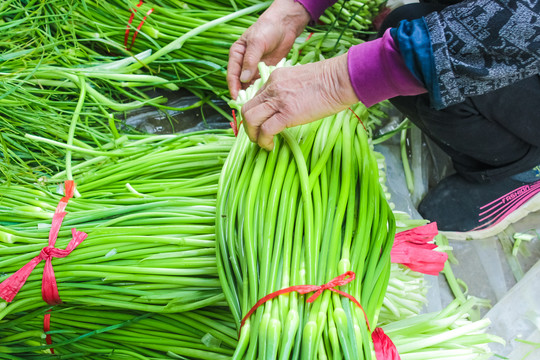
{"x":269,"y":40}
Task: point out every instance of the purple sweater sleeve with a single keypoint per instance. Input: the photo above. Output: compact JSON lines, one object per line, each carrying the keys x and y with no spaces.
{"x":378,"y":72}
{"x":316,"y":8}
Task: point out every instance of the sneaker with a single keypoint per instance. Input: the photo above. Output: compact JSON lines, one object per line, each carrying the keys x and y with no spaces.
{"x":465,"y":210}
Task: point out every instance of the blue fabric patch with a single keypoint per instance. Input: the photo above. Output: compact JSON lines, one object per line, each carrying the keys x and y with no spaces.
{"x":414,"y":45}
{"x":529,"y":175}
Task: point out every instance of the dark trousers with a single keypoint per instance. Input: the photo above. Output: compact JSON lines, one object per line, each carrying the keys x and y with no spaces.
{"x":488,"y":137}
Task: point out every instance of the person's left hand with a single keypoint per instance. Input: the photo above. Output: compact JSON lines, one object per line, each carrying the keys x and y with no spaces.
{"x":298,"y":95}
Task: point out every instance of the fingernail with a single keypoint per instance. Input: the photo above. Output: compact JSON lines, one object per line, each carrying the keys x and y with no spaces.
{"x":245,"y":76}
{"x":268,"y":146}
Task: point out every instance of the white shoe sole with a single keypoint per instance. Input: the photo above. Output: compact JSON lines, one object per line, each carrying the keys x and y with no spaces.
{"x":532,"y":205}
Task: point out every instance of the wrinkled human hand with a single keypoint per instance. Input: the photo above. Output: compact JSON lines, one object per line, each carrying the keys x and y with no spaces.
{"x":268,"y":40}
{"x":297,"y":95}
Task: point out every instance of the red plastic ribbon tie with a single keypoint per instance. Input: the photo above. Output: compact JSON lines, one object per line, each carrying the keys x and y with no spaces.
{"x":307,"y":38}
{"x":47,"y":328}
{"x":360,"y":120}
{"x":49,"y":289}
{"x":234,"y":124}
{"x":414,"y":249}
{"x":340,"y":280}
{"x":69,"y":189}
{"x":126,"y":36}
{"x":384,"y":347}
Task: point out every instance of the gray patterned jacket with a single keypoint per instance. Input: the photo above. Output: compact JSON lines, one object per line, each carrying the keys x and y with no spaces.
{"x":482,"y":45}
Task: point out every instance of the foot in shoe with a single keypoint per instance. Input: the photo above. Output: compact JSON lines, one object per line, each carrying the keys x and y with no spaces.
{"x":466,"y":210}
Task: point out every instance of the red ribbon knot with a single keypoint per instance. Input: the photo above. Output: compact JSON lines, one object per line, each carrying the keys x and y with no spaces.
{"x":384,"y":347}
{"x":46,"y":253}
{"x":49,"y":289}
{"x":340,"y":280}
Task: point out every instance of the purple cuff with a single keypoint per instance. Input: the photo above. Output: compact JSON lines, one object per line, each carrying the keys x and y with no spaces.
{"x":316,"y":8}
{"x":378,"y":72}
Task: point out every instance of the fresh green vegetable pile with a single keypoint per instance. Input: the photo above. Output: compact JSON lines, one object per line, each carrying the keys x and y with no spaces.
{"x":146,"y":189}
{"x":354,"y":15}
{"x":67,"y":73}
{"x":183,"y":52}
{"x":150,"y":224}
{"x":145,"y":284}
{"x":55,"y":85}
{"x":109,"y":333}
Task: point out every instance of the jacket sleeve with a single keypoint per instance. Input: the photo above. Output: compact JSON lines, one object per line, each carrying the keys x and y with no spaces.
{"x":378,"y":71}
{"x":472,"y":48}
{"x":316,"y":8}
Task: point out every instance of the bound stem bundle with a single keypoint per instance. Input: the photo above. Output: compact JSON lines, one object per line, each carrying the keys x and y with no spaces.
{"x":111,"y":333}
{"x":302,"y":214}
{"x":150,"y":224}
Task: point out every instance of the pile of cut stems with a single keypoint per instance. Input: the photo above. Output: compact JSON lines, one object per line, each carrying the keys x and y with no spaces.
{"x":445,"y":335}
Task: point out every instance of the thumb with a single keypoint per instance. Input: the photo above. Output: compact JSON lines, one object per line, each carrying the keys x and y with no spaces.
{"x":252,"y":57}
